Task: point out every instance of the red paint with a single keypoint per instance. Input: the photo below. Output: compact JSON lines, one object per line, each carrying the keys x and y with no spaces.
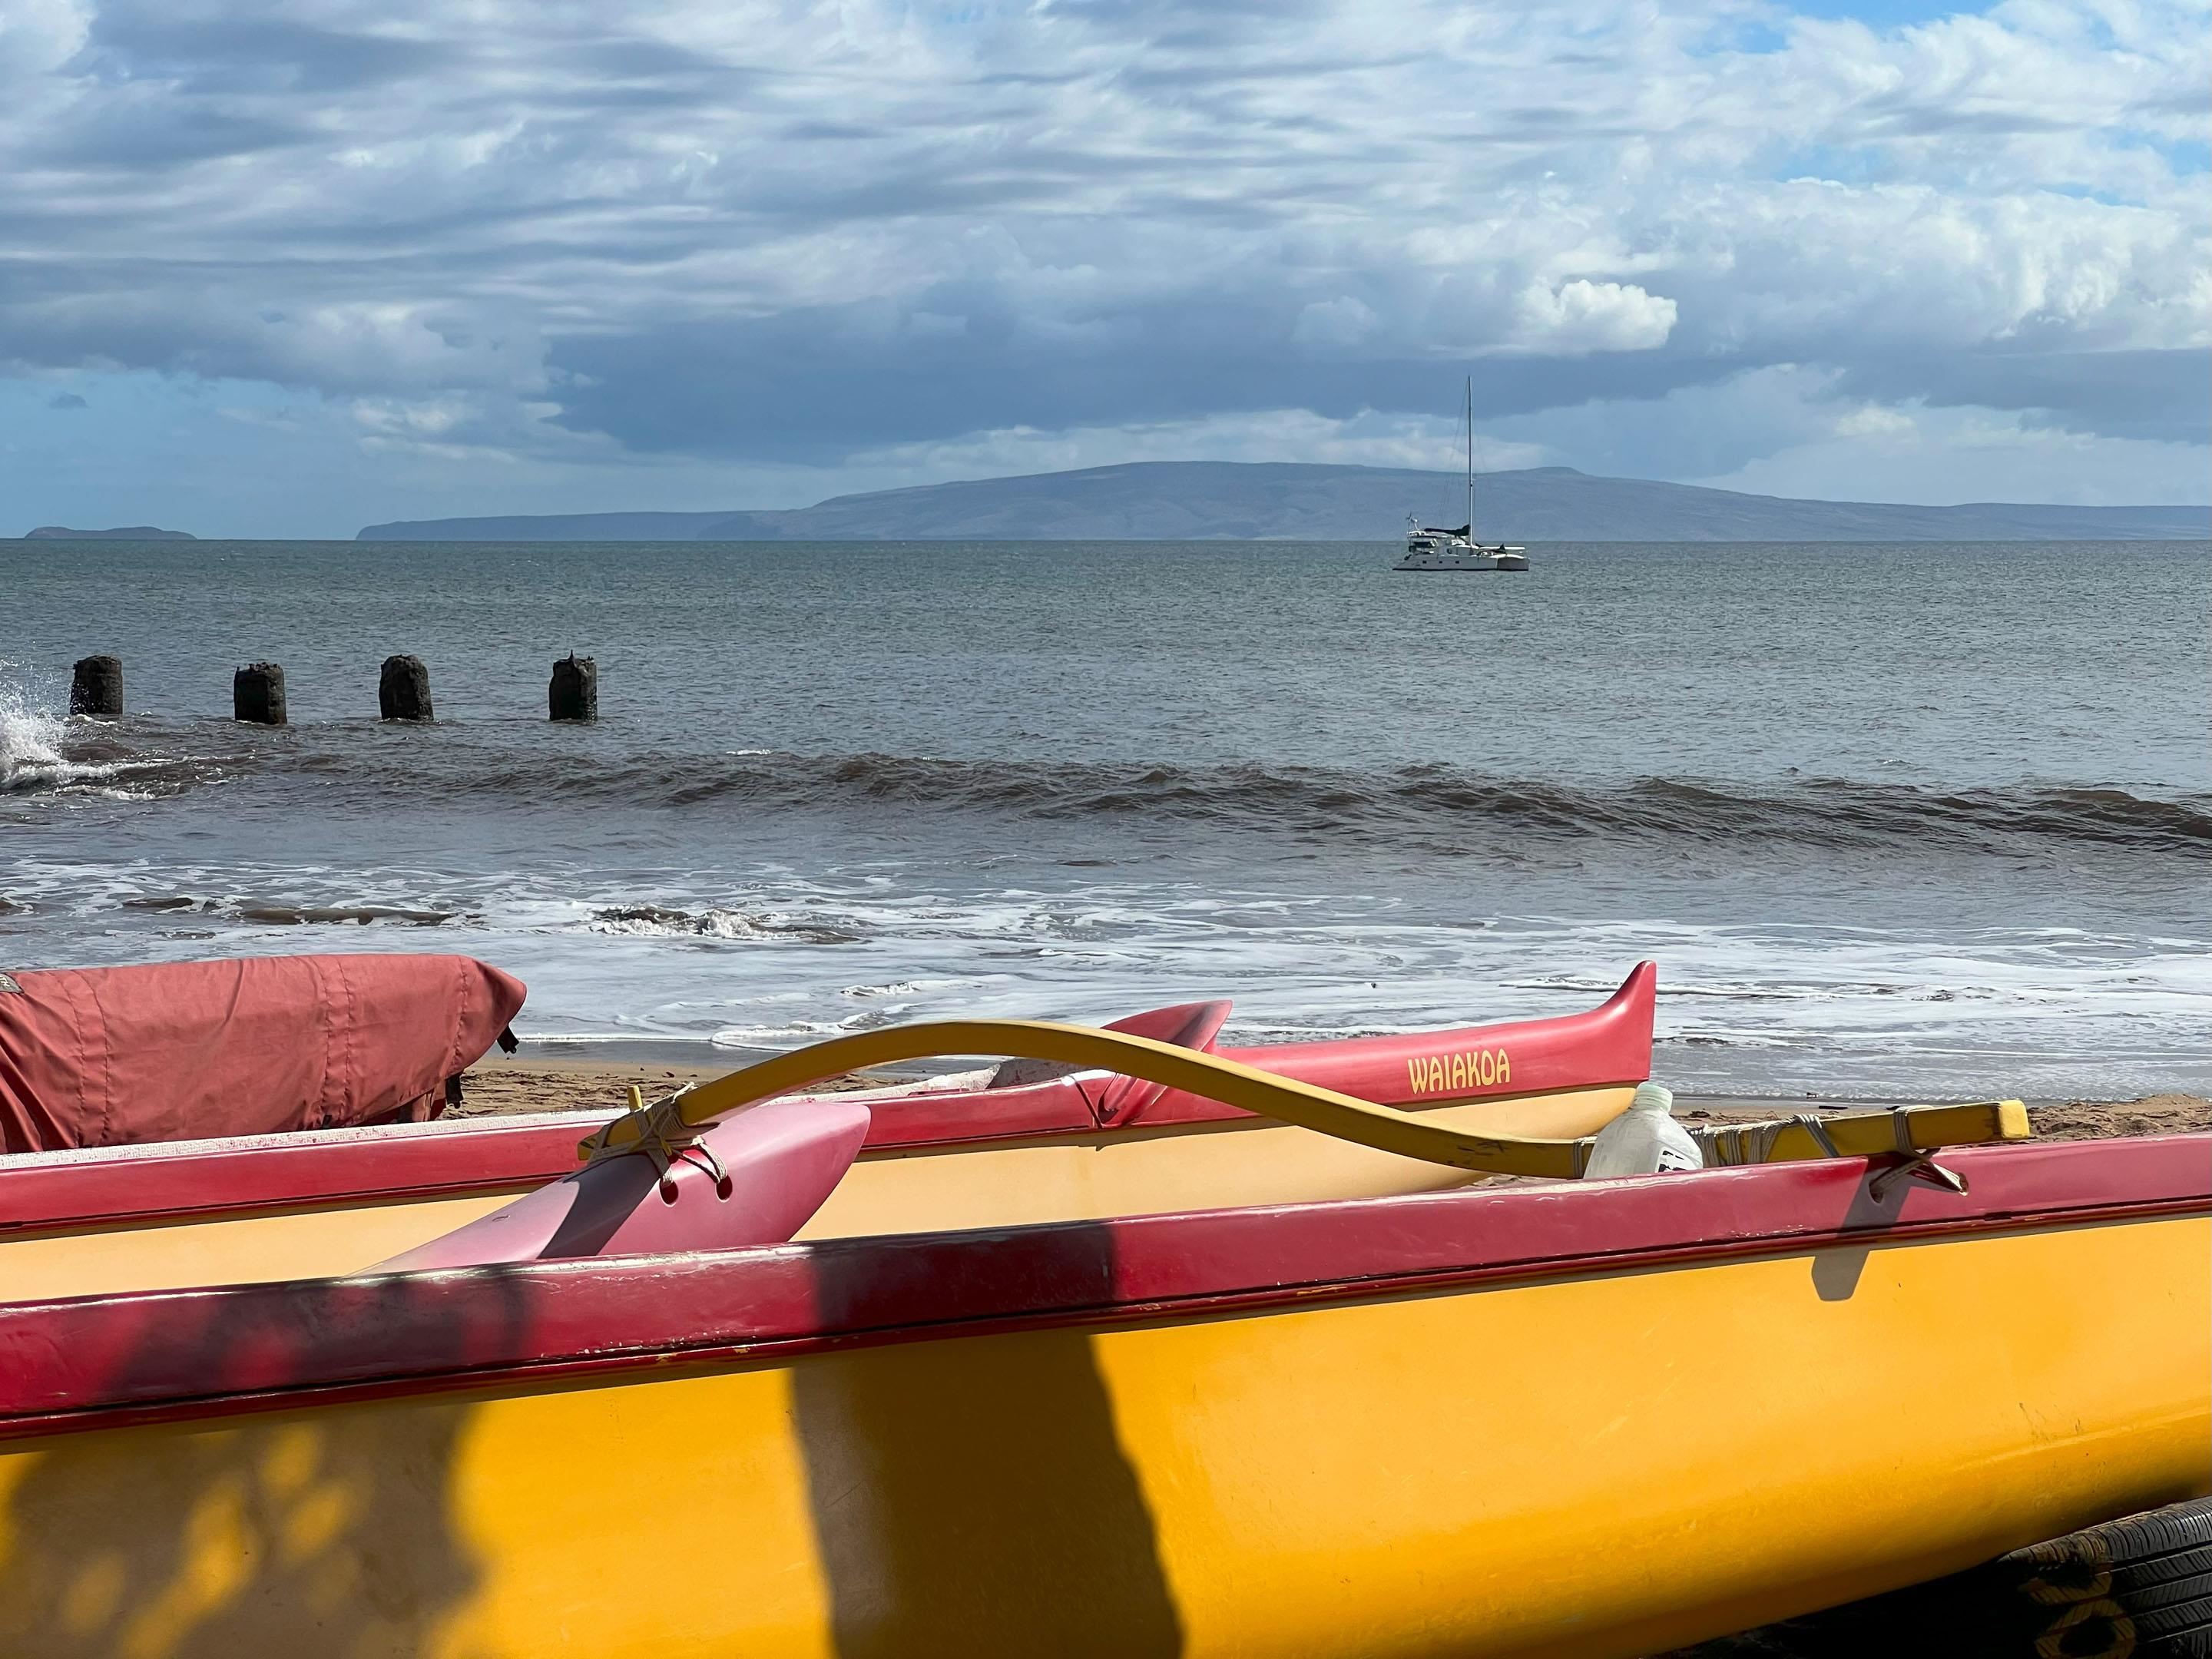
{"x":213,"y":1178}
{"x":1611,"y":1043}
{"x":756,"y":1178}
{"x":190,"y":1353}
{"x":1608,"y":1044}
{"x":1119,"y":1100}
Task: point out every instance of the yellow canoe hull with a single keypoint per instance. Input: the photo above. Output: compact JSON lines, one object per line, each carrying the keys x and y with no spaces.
{"x":1599,"y":1457}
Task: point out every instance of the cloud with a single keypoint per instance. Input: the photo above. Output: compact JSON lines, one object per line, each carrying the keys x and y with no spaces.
{"x":1585,"y":316}
{"x":876,"y":235}
{"x":1343,"y":323}
{"x":66,"y":400}
{"x":1872,"y":421}
{"x":2160,"y":395}
{"x":1972,"y":455}
{"x":1369,"y":439}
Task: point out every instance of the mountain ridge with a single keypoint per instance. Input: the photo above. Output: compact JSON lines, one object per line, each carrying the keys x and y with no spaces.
{"x":132,"y":532}
{"x":1282,"y":500}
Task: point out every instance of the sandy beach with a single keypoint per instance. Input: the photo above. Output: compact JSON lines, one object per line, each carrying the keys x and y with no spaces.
{"x":499,"y":1085}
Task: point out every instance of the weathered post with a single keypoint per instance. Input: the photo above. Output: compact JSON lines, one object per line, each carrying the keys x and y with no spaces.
{"x":96,"y":688}
{"x":403,"y":689}
{"x":257,"y":694}
{"x":573,"y":692}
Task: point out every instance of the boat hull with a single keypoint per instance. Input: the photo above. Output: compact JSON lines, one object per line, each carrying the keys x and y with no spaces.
{"x":1592,"y":1420}
{"x":77,"y":1223}
{"x":1436,"y":560}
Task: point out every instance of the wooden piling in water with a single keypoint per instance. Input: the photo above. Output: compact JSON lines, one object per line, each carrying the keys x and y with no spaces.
{"x":257,"y":694}
{"x":403,"y":689}
{"x":96,"y":687}
{"x":572,"y":693}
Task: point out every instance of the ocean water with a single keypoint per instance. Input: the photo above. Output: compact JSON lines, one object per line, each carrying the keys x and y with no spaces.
{"x":1911,"y":820}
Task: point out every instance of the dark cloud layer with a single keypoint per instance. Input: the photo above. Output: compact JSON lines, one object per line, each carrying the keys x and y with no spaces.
{"x":815,"y":384}
{"x":2164,"y":395}
{"x":215,"y":56}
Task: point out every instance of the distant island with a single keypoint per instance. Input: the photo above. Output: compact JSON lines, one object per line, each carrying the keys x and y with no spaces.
{"x":1201,"y":500}
{"x":134,"y":532}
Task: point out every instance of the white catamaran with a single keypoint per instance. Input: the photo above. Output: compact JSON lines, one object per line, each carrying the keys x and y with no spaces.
{"x":1430,"y":548}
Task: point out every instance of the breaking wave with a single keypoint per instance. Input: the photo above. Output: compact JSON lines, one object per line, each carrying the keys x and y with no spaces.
{"x":1431,"y":808}
{"x":1439,"y":806}
{"x":302,"y":915}
{"x":666,"y":921}
{"x":31,"y":750}
{"x":44,"y":753}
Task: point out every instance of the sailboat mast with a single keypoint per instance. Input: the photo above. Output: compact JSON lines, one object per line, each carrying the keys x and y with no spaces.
{"x":1470,"y":459}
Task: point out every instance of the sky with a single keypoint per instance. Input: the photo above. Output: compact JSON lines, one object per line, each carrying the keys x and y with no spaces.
{"x":288,"y":267}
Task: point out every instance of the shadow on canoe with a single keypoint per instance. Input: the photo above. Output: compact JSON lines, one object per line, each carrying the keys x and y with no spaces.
{"x":223,"y":1537}
{"x":942,"y":1483}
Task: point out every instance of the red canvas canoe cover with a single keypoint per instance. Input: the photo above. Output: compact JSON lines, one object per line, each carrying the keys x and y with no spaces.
{"x":113,"y":1056}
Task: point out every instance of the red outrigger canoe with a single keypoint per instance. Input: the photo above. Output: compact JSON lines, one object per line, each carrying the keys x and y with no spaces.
{"x":398,"y":1183}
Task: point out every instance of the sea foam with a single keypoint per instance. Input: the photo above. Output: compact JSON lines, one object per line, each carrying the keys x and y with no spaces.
{"x":31,"y":757}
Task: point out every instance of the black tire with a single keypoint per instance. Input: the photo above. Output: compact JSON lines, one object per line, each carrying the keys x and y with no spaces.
{"x":2141,"y":1588}
{"x":2170,"y":1623}
{"x":2163,"y":1569}
{"x":2158,"y":1532}
{"x":2147,"y":1597}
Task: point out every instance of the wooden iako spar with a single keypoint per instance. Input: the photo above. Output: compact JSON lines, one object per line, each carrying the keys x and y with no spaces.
{"x":668,"y":1124}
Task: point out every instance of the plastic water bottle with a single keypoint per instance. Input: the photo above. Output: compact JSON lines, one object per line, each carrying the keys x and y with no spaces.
{"x":1645,"y":1139}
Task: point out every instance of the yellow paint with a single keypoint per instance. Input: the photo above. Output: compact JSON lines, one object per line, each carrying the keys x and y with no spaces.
{"x":1459,"y":1073}
{"x":1605,"y":1465}
{"x":696,"y":1588}
{"x":241,"y":1250}
{"x":1186,"y":1167}
{"x":214,"y":1561}
{"x":1047,"y":1178}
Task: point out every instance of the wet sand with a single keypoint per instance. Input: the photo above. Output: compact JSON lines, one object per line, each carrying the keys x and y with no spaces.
{"x":2054,"y":1119}
{"x":499,"y":1085}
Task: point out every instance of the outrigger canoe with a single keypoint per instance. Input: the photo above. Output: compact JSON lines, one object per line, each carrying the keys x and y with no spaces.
{"x":1043,"y":1141}
{"x":1550,"y":1417}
